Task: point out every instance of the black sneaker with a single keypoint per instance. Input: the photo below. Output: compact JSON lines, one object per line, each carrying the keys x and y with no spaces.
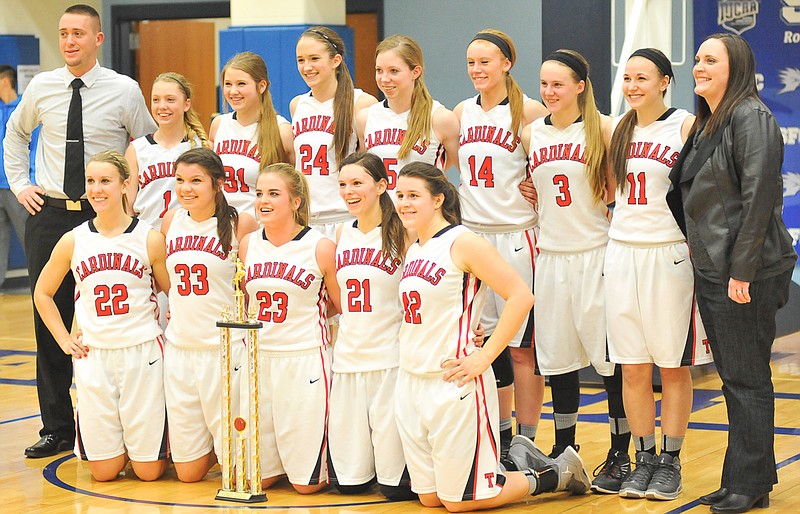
{"x":558,"y":450}
{"x":610,"y":474}
{"x":635,"y":486}
{"x":666,"y":482}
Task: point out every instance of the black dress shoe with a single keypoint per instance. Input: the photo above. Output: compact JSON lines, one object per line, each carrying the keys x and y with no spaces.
{"x":47,"y":446}
{"x":715,"y":497}
{"x":741,"y":503}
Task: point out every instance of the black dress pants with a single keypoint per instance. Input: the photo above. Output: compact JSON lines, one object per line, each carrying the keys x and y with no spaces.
{"x":53,"y":366}
{"x":741,"y":337}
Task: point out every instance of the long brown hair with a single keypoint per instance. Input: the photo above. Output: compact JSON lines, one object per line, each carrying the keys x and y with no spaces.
{"x":393,"y":234}
{"x":227,"y":217}
{"x":741,"y":84}
{"x":623,"y":133}
{"x":191,"y":121}
{"x":343,"y":99}
{"x":419,"y":118}
{"x":269,"y":142}
{"x":438,"y":184}
{"x":596,"y":155}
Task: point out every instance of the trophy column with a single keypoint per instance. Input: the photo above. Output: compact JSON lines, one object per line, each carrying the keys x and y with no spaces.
{"x":241,"y":452}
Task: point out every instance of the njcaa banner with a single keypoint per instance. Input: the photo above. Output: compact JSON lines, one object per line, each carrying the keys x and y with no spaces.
{"x":772,"y":27}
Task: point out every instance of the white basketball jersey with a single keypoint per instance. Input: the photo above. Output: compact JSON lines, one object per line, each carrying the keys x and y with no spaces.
{"x":641,"y":214}
{"x":369,"y":281}
{"x":313,"y":126}
{"x":569,"y":218}
{"x":492,"y":163}
{"x":114,"y":300}
{"x":441,"y":304}
{"x":237,"y":146}
{"x":384,"y":133}
{"x":201,"y":281}
{"x":285,"y":285}
{"x":157,"y":178}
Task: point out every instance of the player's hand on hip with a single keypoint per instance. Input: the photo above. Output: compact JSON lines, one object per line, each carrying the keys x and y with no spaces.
{"x":467,"y":368}
{"x":480,"y":336}
{"x":32,"y":198}
{"x":739,"y":291}
{"x":73,"y":345}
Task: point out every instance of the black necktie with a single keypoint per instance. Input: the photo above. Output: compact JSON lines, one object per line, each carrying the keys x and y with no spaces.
{"x":74,"y":179}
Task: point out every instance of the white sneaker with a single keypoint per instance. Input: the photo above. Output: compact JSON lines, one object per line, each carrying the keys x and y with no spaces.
{"x":572,"y":476}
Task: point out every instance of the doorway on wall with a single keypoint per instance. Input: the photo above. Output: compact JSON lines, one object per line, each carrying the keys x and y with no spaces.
{"x":148,"y":40}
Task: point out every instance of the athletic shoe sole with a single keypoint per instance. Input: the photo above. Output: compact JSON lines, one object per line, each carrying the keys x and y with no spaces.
{"x":603,"y":490}
{"x":660,"y":495}
{"x":632,"y":493}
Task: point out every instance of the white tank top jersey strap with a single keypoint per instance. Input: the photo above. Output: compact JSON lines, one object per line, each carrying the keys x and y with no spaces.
{"x":569,"y":218}
{"x":285,"y":285}
{"x":442,"y":305}
{"x":641,"y":214}
{"x":114,"y":300}
{"x":157,"y":177}
{"x":237,"y":146}
{"x":369,"y":281}
{"x":201,"y":281}
{"x":384,"y":133}
{"x":492,"y":163}
{"x":313,"y":127}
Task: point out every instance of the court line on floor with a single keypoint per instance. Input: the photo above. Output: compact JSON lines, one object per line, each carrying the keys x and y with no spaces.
{"x":50,"y":474}
{"x":32,"y":416}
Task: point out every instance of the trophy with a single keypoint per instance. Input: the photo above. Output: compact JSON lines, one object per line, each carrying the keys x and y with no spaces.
{"x":241,"y":453}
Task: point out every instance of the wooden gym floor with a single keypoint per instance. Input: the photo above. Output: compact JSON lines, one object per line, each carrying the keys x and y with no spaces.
{"x":62,"y":484}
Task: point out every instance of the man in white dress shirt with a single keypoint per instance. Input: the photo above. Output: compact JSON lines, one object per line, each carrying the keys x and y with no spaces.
{"x":113,"y":111}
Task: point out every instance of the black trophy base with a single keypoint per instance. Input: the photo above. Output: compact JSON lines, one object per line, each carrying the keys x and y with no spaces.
{"x":241,"y":496}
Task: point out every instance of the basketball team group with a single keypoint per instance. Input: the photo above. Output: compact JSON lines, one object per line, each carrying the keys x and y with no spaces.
{"x":399,"y":331}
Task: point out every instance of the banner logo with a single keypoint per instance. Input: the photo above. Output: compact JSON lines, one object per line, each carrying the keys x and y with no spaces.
{"x":791,"y":184}
{"x":737,"y":15}
{"x":790,"y":78}
{"x":790,"y":12}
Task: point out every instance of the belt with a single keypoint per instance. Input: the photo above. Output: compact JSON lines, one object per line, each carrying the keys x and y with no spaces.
{"x":69,"y":205}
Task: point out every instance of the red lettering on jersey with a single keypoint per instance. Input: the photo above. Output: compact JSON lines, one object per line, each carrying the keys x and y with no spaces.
{"x":242,"y":147}
{"x":154,"y":172}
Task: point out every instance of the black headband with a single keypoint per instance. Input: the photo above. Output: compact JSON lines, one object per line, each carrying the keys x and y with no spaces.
{"x":496,"y":40}
{"x":334,"y":45}
{"x":657,"y":58}
{"x":571,"y":62}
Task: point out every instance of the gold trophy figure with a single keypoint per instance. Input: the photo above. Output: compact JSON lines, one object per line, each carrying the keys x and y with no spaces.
{"x":241,"y":458}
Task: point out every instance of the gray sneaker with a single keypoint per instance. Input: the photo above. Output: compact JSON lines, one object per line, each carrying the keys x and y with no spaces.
{"x":523,"y":454}
{"x":666,"y":482}
{"x":572,"y":476}
{"x":635,"y":486}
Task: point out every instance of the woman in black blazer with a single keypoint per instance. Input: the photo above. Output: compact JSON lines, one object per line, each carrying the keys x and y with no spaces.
{"x":729,"y":180}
